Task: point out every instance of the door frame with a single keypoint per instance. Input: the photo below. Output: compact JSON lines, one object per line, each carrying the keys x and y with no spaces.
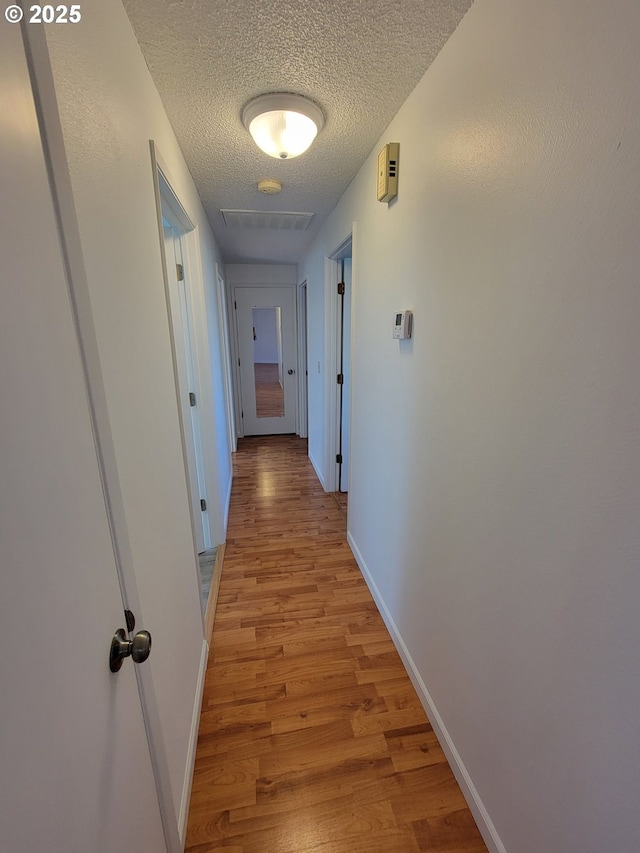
{"x":225,"y":338}
{"x":200,"y":343}
{"x":235,"y":358}
{"x":303,"y":360}
{"x":344,"y":390}
{"x":232,"y":288}
{"x":60,"y":181}
{"x":186,"y":376}
{"x":191,"y":426}
{"x":292,"y":289}
{"x":346,"y":248}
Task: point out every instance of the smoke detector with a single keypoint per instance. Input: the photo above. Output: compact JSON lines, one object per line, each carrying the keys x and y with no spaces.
{"x":269,"y":187}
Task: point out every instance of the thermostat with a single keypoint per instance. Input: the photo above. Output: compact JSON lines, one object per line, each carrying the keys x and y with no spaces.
{"x":403,"y":324}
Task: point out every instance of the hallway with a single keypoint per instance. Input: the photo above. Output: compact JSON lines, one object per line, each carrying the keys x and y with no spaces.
{"x":311,"y":737}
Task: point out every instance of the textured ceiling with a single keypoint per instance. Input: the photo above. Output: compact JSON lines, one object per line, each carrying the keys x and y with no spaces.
{"x":358,"y":59}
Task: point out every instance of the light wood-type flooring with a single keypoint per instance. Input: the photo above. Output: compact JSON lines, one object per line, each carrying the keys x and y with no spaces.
{"x":269,"y":391}
{"x":342,"y":500}
{"x":312,"y":738}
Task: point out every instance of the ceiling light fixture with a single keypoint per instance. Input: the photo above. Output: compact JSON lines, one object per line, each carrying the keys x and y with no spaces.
{"x":281,"y":124}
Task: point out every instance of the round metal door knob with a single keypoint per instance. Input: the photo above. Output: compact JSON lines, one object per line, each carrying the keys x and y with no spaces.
{"x":139,"y":648}
{"x":290,"y":372}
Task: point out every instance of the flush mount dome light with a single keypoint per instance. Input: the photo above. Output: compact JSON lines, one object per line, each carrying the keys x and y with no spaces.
{"x":282,"y":125}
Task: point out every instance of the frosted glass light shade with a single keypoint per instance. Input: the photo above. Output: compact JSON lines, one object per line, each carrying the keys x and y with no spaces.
{"x":282,"y":125}
{"x":283,"y":134}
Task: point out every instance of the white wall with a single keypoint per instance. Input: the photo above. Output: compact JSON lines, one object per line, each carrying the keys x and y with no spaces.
{"x":265,"y":347}
{"x":109,"y":110}
{"x":495,"y":504}
{"x":261,"y":275}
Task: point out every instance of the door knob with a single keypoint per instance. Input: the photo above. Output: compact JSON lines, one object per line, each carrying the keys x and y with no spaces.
{"x":290,"y":372}
{"x":139,"y":648}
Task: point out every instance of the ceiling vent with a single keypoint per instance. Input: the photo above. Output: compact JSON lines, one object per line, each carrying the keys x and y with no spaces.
{"x":263,"y":220}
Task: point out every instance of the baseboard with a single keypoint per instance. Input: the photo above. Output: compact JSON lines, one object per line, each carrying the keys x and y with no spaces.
{"x":318,"y":472}
{"x":212,"y":601}
{"x":477,"y":807}
{"x":193,"y":742}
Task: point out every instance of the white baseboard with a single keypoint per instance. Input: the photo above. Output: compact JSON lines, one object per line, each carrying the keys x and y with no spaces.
{"x":316,"y":468}
{"x":477,"y":807}
{"x":193,"y":741}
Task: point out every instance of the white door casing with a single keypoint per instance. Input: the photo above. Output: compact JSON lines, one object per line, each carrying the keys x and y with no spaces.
{"x":282,"y":298}
{"x":187,"y":385}
{"x":76,"y":769}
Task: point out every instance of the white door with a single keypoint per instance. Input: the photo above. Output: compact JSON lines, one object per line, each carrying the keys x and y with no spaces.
{"x":344,"y":391}
{"x":268,"y":358}
{"x":187,"y":384}
{"x":226,"y":358}
{"x":303,"y":387}
{"x":76,"y":773}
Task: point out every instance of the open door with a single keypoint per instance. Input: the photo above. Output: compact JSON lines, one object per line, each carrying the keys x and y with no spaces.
{"x":226,"y":357}
{"x":187,"y":381}
{"x":303,"y":371}
{"x":338,"y":316}
{"x":344,"y":372}
{"x":76,"y":766}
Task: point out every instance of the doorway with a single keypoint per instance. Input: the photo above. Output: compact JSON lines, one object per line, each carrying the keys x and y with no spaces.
{"x":344,"y":361}
{"x":303,"y":370}
{"x":339,"y":286}
{"x":226,"y":355}
{"x":187,"y":379}
{"x":265,"y":318}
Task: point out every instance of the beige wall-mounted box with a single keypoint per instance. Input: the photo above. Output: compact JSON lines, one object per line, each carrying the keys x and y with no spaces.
{"x":388,"y":171}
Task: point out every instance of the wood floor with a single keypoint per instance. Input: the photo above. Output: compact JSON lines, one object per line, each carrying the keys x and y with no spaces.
{"x":342,"y":500}
{"x":312,"y":739}
{"x":269,"y":391}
